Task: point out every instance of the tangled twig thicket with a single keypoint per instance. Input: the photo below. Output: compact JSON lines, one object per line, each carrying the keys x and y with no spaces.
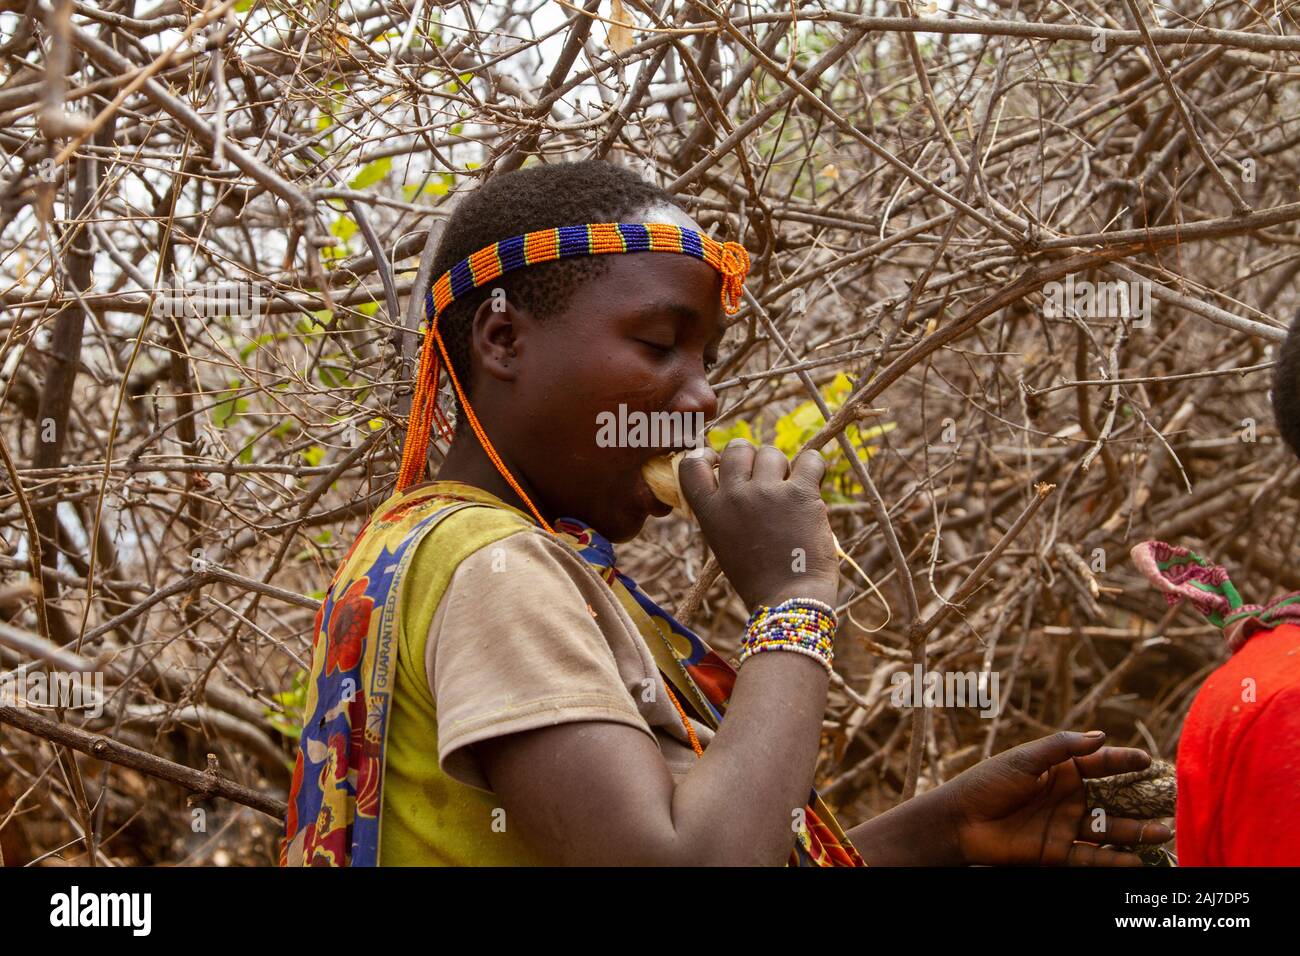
{"x":214,"y":215}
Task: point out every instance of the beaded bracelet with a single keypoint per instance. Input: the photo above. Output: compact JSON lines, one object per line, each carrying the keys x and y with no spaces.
{"x":802,"y":620}
{"x":759,"y":638}
{"x":801,"y":625}
{"x":822,"y":653}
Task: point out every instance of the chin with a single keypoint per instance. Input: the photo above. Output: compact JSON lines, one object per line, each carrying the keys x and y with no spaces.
{"x":622,"y":524}
{"x":625,"y":530}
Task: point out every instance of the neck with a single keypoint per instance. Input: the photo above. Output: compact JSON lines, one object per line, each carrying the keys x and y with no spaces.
{"x":467,"y":462}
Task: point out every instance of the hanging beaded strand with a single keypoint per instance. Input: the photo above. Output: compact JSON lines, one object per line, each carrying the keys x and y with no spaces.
{"x":730,"y":259}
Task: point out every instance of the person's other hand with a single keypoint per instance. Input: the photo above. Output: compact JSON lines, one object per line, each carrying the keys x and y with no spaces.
{"x":1027,"y":806}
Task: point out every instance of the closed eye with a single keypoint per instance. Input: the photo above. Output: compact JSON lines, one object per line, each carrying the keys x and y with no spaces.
{"x":657,"y":346}
{"x":709,"y":360}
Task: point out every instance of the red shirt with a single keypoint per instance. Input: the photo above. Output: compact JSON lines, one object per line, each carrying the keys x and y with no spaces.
{"x":1239,"y":759}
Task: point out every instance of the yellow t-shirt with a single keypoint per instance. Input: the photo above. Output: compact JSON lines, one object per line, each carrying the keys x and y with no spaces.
{"x":428,"y":819}
{"x":510,"y":630}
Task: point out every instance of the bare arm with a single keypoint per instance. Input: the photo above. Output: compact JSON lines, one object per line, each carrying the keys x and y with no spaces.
{"x":917,"y":832}
{"x":600,"y":794}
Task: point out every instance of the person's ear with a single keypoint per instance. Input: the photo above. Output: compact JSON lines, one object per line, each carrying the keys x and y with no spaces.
{"x":494,"y":336}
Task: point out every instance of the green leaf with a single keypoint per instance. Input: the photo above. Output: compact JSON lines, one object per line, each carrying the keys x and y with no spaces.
{"x":224,"y":413}
{"x":371,"y":173}
{"x":836,"y":391}
{"x":719,"y":437}
{"x":787,"y":436}
{"x":331,"y":376}
{"x":439,"y":187}
{"x":807,"y":416}
{"x":878,"y":430}
{"x":313,"y":456}
{"x":462,"y":80}
{"x":292,"y":705}
{"x":793,"y":429}
{"x":258,"y":342}
{"x":796,"y":427}
{"x":344,"y":227}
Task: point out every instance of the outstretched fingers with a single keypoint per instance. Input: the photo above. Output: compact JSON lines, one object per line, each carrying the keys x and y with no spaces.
{"x":1113,"y":760}
{"x":1038,"y":756}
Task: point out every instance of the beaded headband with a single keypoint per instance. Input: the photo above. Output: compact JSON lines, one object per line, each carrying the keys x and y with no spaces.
{"x":544,"y":245}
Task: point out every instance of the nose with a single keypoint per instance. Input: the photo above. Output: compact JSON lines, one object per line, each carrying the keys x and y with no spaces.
{"x":697,"y":395}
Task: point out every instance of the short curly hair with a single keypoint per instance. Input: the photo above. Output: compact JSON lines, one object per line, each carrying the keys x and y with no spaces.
{"x":1286,"y":387}
{"x":524,"y":200}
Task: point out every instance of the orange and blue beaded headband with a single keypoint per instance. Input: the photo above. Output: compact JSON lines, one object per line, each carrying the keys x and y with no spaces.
{"x":730,"y":259}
